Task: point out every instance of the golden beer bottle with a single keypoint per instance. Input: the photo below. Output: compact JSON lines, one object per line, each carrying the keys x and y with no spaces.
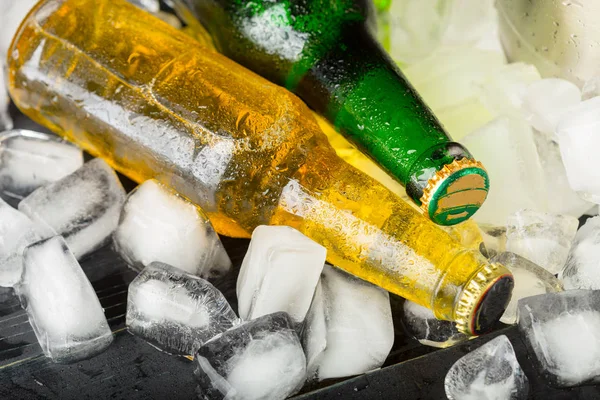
{"x":155,"y":103}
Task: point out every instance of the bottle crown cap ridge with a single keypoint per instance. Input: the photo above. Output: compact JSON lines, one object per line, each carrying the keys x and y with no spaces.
{"x":455,"y":192}
{"x":484,"y":299}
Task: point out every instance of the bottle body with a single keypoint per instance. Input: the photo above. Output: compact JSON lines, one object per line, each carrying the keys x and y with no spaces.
{"x":155,"y":104}
{"x":326,"y":53}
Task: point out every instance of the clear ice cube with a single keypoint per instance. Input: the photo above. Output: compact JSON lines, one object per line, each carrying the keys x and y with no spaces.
{"x":547,"y":100}
{"x":16,"y":233}
{"x":563,"y":332}
{"x":491,"y":372}
{"x":543,"y":238}
{"x":427,"y":329}
{"x":6,"y":121}
{"x":578,"y":139}
{"x":83,"y":207}
{"x":347,"y":314}
{"x":30,"y":159}
{"x":561,"y":198}
{"x":279,"y":273}
{"x":61,"y":304}
{"x":582,"y":269}
{"x":259,"y":360}
{"x":158,"y":225}
{"x":507,"y":149}
{"x":530,"y":280}
{"x":176,"y":311}
{"x":494,"y":239}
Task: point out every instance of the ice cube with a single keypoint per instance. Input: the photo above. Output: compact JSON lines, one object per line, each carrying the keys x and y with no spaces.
{"x":260,"y":359}
{"x":506,"y":147}
{"x":494,"y":239}
{"x":582,"y":269}
{"x":591,"y":88}
{"x":490,"y":372}
{"x":561,"y":199}
{"x":470,"y":21}
{"x":427,"y":329}
{"x":279,"y":273}
{"x":5,"y":119}
{"x":30,"y":159}
{"x":563,"y":332}
{"x":530,"y":280}
{"x":578,"y":138}
{"x":61,"y":304}
{"x":16,"y":233}
{"x":547,"y":100}
{"x":152,"y":6}
{"x":158,"y":225}
{"x":83,"y":207}
{"x":347,"y":314}
{"x":543,"y":238}
{"x":416,"y":28}
{"x":176,"y":311}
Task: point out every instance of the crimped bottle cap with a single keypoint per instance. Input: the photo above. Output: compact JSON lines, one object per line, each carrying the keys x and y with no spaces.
{"x":455,"y":192}
{"x":484,"y":299}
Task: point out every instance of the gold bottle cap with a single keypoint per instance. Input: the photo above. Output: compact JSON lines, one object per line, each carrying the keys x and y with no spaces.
{"x":455,"y":192}
{"x":484,"y":299}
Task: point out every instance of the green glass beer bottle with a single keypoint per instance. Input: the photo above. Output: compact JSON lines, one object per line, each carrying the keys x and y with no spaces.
{"x":325,"y":52}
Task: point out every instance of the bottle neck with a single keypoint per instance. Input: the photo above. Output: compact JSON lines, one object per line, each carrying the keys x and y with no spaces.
{"x":376,"y":236}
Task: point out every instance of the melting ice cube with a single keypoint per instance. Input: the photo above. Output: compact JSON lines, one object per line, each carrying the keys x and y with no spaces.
{"x":427,"y":329}
{"x":30,"y":159}
{"x":490,"y":372}
{"x":16,"y":233}
{"x":563,"y":332}
{"x":158,"y":225}
{"x":530,"y":280}
{"x":260,"y":359}
{"x":83,"y":207}
{"x":347,"y":314}
{"x":578,"y":138}
{"x":543,"y":238}
{"x":582,"y":270}
{"x":61,"y":304}
{"x":279,"y":273}
{"x":176,"y":311}
{"x":547,"y":100}
{"x":507,"y":149}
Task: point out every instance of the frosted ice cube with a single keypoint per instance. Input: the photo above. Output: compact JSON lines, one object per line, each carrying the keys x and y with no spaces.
{"x":279,"y":273}
{"x":582,"y":269}
{"x":561,"y":199}
{"x":591,"y":88}
{"x":158,"y":225}
{"x":30,"y":159}
{"x":347,"y":314}
{"x":470,"y":21}
{"x":16,"y":233}
{"x":416,"y":27}
{"x":563,"y":332}
{"x":543,"y":238}
{"x":176,"y":311}
{"x":490,"y":372}
{"x":547,"y":100}
{"x":61,"y":304}
{"x":5,"y":119}
{"x":83,"y":207}
{"x":530,"y":280}
{"x":260,"y":359}
{"x":427,"y":329}
{"x":506,"y":147}
{"x":504,"y":91}
{"x":452,"y":75}
{"x":578,"y":138}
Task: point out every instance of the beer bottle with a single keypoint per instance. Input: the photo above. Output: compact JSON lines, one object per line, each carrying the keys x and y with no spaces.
{"x":155,"y":103}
